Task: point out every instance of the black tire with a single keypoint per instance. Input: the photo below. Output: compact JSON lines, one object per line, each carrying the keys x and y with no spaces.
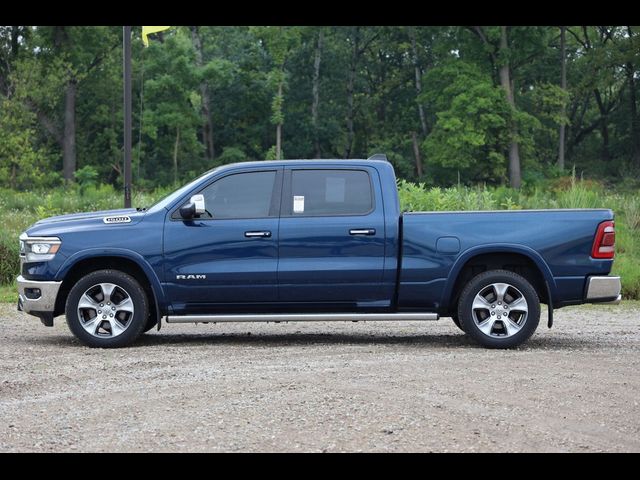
{"x":456,"y":320}
{"x":135,"y":321}
{"x":498,"y":336}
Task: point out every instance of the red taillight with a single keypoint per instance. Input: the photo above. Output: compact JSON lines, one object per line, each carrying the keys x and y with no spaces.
{"x":605,"y":241}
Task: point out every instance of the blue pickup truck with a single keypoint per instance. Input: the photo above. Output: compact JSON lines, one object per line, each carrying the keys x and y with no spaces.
{"x":311,"y":240}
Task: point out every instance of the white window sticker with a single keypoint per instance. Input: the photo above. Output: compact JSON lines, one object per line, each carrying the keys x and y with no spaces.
{"x":298,"y":203}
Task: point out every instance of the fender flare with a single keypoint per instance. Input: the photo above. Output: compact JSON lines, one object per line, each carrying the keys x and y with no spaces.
{"x":468,"y":254}
{"x":154,"y":282}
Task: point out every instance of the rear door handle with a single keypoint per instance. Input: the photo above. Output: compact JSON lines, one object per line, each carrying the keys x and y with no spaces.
{"x":265,"y":234}
{"x":362,"y":231}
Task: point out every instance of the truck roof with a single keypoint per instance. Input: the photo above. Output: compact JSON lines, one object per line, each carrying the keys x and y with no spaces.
{"x":307,"y":162}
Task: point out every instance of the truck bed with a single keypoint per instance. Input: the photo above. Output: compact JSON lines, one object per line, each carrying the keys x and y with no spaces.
{"x":435,"y":246}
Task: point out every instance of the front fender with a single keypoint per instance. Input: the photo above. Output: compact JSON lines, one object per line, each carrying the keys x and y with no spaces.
{"x":138,"y":259}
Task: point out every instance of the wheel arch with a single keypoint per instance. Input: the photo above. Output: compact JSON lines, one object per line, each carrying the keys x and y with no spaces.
{"x":126,"y":261}
{"x":517,"y":258}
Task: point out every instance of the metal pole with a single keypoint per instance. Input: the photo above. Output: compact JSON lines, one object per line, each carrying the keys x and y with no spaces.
{"x":127,"y":115}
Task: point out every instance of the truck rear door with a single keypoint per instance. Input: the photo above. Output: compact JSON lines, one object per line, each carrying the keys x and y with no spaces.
{"x":332,"y":237}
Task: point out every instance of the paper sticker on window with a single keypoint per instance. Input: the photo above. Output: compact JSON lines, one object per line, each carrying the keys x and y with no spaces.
{"x":298,"y":203}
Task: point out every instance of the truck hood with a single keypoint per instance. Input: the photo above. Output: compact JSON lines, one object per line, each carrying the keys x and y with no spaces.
{"x":87,"y":215}
{"x":89,"y":220}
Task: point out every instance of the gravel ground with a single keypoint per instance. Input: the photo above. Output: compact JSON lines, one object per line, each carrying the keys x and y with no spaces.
{"x":316,"y":387}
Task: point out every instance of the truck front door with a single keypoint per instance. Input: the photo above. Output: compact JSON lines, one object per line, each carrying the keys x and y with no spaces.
{"x":227,"y":258}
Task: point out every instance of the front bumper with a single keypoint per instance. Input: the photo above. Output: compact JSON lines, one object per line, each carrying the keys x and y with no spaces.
{"x":603,"y":290}
{"x":37,"y":298}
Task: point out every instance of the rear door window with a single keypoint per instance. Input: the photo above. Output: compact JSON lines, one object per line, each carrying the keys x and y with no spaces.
{"x":330,"y":192}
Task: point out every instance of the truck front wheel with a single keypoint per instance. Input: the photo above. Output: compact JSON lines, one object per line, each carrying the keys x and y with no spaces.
{"x":499,"y":309}
{"x":107,"y":308}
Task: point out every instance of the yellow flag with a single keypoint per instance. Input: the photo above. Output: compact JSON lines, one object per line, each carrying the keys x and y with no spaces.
{"x":149,"y":30}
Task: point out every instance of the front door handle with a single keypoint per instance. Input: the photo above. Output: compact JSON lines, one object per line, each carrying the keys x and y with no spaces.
{"x":362,"y":231}
{"x":265,"y":234}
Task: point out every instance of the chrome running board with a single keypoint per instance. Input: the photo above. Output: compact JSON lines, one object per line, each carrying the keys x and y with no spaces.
{"x":301,"y":317}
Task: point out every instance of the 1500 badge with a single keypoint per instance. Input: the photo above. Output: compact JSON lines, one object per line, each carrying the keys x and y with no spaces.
{"x":118,"y":219}
{"x":191,"y":277}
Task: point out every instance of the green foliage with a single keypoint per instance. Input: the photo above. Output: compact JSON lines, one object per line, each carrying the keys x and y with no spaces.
{"x":248,"y":79}
{"x":22,"y":162}
{"x":632,"y":214}
{"x":86,"y":176}
{"x":9,"y":259}
{"x":270,"y":154}
{"x":232,"y":155}
{"x":470,"y":133}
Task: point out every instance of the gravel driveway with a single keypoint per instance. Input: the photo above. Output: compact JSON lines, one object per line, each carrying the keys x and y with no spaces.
{"x":368,"y":386}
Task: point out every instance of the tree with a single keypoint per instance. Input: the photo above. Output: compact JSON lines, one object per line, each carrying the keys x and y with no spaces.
{"x":82,"y":50}
{"x":173,"y":106}
{"x":207,"y":126}
{"x":563,"y":85}
{"x":500,"y":58}
{"x":471,"y":132}
{"x":279,"y":42}
{"x":316,"y":93}
{"x":490,"y":103}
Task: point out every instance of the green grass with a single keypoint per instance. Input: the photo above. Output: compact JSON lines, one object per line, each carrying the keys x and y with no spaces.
{"x":18,"y":210}
{"x":9,"y":293}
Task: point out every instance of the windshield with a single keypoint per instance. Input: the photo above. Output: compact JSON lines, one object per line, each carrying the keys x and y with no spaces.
{"x":172,"y":197}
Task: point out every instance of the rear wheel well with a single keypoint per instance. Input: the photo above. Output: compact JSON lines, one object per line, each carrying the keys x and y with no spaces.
{"x":514,"y":262}
{"x":88,"y":265}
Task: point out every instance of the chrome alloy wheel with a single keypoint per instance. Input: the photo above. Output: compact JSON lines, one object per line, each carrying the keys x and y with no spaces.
{"x":105,"y":310}
{"x":499,"y":310}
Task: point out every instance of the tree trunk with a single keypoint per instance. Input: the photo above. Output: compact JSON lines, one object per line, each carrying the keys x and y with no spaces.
{"x":563,"y":85}
{"x":604,"y":126}
{"x":12,"y":179}
{"x":175,"y":156}
{"x":515,"y":178}
{"x":316,"y":94}
{"x":416,"y":153}
{"x":350,"y":92}
{"x":635,"y":123}
{"x":205,"y":94}
{"x":69,"y":135}
{"x":418,"y":75}
{"x":279,"y":128}
{"x":15,"y":44}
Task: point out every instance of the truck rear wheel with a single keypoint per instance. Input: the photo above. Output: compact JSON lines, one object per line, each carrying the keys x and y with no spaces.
{"x":499,"y":309}
{"x":107,"y":308}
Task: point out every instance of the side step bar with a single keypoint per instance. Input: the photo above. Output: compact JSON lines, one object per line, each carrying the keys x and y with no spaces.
{"x":301,"y":317}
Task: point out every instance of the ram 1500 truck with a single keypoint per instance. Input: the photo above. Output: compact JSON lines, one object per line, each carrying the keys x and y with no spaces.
{"x":311,"y":240}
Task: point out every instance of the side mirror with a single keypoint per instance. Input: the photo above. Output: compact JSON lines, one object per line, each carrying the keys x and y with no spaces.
{"x":194,"y":208}
{"x":198,"y":201}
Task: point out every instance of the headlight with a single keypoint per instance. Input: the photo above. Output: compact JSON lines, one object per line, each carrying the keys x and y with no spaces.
{"x":38,"y":249}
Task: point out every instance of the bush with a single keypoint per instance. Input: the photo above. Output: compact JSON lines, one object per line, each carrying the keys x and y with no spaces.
{"x":232,"y":155}
{"x":9,"y":259}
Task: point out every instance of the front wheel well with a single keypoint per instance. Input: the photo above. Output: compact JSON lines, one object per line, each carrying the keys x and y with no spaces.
{"x":88,"y":265}
{"x":514,"y":262}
